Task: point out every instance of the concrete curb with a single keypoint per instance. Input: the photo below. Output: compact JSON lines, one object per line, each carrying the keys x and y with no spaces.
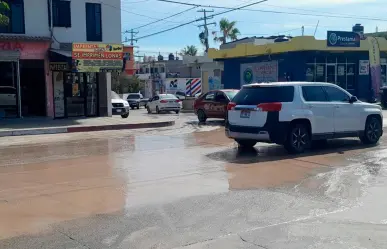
{"x":41,"y":131}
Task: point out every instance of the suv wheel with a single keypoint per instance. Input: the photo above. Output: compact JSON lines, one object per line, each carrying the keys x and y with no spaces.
{"x":298,"y":139}
{"x":372,"y":132}
{"x":202,"y":116}
{"x":246,"y":143}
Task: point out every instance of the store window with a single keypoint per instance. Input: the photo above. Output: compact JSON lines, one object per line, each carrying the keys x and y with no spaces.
{"x":336,"y":70}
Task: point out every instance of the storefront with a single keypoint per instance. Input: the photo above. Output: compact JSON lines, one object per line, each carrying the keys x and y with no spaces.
{"x":23,"y":76}
{"x":307,"y":59}
{"x":81,"y":79}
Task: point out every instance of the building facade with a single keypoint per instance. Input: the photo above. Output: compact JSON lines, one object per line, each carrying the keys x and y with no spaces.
{"x":170,"y":76}
{"x":307,"y":59}
{"x":36,"y":54}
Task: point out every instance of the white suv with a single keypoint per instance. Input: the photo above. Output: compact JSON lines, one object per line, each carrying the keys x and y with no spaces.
{"x":294,"y":114}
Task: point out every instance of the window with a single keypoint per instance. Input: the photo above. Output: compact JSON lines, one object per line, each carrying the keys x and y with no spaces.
{"x":167,"y":96}
{"x":147,"y":70}
{"x":314,"y":94}
{"x":220,"y":97}
{"x":61,"y":14}
{"x":264,"y":94}
{"x":162,"y":70}
{"x":336,"y":95}
{"x":16,"y":17}
{"x":210,"y":96}
{"x":93,"y":22}
{"x":7,"y":90}
{"x":134,"y":96}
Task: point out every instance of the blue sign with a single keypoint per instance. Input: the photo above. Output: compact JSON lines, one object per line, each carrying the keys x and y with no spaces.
{"x":343,"y":39}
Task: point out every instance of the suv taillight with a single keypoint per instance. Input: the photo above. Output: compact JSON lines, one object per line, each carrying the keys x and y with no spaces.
{"x":270,"y":107}
{"x":230,"y":106}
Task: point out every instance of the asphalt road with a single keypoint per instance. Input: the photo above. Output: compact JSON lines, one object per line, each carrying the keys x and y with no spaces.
{"x":188,"y":186}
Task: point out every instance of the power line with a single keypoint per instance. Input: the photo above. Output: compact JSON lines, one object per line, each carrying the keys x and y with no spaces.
{"x":200,"y":19}
{"x":162,"y":19}
{"x":276,"y":12}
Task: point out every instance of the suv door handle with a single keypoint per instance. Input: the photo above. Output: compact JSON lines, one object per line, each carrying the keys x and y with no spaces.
{"x":337,"y":106}
{"x":309,"y":106}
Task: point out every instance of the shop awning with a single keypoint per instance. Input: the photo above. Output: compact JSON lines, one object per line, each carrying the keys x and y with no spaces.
{"x":9,"y":55}
{"x":57,"y":55}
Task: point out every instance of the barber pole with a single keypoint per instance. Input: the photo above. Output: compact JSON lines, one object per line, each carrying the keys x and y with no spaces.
{"x":193,"y":86}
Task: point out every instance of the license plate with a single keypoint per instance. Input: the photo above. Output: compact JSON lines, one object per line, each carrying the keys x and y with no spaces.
{"x":118,"y":110}
{"x":245,"y":114}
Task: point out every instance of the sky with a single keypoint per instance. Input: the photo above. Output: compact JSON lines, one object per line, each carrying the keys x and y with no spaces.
{"x":370,"y":13}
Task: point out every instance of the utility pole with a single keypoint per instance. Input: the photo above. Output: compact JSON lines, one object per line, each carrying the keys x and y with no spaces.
{"x":205,"y":26}
{"x":132,"y":34}
{"x":302,"y":30}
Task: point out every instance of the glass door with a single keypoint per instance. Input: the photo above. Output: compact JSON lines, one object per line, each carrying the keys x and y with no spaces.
{"x":331,"y":73}
{"x":75,"y":95}
{"x":91,"y":94}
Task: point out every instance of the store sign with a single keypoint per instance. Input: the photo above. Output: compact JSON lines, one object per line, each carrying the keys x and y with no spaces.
{"x":364,"y":67}
{"x":343,"y":39}
{"x":259,"y":72}
{"x":97,"y":57}
{"x":59,"y":66}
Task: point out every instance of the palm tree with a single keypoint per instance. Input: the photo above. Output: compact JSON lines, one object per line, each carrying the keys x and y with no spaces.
{"x":189,"y":50}
{"x":4,"y":20}
{"x":228,"y":30}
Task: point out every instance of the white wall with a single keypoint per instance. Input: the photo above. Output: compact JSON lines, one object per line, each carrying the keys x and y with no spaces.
{"x":36,"y":21}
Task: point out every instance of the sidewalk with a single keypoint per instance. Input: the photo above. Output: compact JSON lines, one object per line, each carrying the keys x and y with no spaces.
{"x":36,"y":126}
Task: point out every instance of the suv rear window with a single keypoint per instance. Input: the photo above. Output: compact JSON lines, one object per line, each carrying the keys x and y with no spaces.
{"x":264,"y":94}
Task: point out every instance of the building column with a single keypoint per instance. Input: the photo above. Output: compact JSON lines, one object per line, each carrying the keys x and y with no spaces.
{"x":105,"y":87}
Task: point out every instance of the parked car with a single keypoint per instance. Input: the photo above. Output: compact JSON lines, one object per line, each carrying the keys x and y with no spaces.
{"x":8,"y":96}
{"x":164,"y":103}
{"x":181,"y":95}
{"x":294,"y":114}
{"x":119,"y":106}
{"x":213,"y":104}
{"x":136,"y":100}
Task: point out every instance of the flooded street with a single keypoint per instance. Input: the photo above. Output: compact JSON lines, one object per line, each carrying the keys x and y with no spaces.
{"x":188,"y":186}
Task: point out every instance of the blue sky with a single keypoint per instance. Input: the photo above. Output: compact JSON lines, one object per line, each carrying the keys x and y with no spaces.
{"x":249,"y":23}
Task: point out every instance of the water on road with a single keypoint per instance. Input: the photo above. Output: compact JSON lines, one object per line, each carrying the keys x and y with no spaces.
{"x":188,"y":186}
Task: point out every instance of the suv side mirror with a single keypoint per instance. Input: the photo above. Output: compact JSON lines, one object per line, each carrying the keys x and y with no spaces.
{"x":353,"y":99}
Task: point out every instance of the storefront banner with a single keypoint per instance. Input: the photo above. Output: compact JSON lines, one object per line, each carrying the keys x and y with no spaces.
{"x":343,"y":39}
{"x":374,"y":53}
{"x":259,"y":72}
{"x":364,"y":67}
{"x":97,"y":57}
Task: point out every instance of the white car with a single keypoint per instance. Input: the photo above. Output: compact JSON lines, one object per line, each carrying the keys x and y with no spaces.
{"x":7,"y":96}
{"x":119,"y":106}
{"x":164,"y":103}
{"x":294,"y":114}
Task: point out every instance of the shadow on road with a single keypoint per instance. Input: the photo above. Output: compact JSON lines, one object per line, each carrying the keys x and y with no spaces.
{"x":269,"y":153}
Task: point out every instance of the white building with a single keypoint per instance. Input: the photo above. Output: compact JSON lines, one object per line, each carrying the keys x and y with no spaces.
{"x":35,"y":37}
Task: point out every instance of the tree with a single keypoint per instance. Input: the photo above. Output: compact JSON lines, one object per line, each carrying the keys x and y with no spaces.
{"x":228,"y":30}
{"x":189,"y":50}
{"x":127,"y":84}
{"x":4,"y":8}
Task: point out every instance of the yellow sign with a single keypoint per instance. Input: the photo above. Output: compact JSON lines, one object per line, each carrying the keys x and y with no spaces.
{"x":97,"y":57}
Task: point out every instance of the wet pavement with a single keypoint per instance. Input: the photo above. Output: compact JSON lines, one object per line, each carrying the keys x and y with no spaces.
{"x":188,"y":186}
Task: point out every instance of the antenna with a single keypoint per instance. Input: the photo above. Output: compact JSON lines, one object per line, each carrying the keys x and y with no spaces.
{"x":316,"y":28}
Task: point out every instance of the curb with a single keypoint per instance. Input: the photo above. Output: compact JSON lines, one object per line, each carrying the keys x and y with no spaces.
{"x":41,"y":131}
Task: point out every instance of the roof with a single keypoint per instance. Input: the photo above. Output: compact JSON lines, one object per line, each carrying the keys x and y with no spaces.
{"x":288,"y":83}
{"x":297,"y":44}
{"x":24,"y":38}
